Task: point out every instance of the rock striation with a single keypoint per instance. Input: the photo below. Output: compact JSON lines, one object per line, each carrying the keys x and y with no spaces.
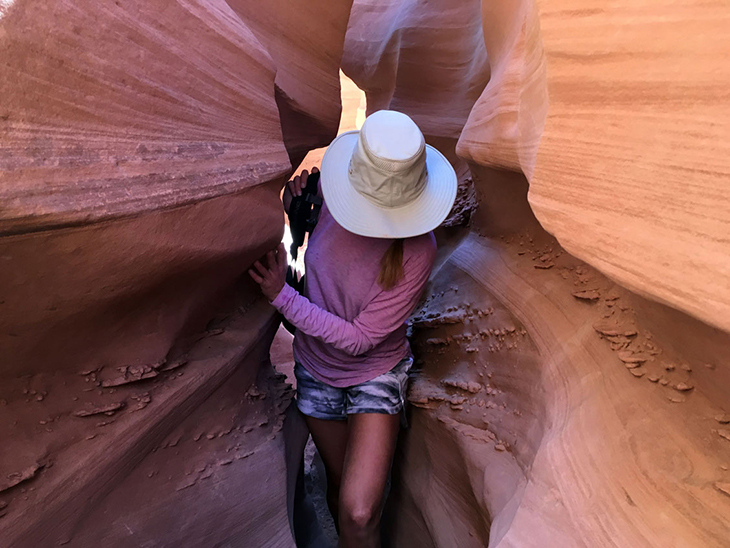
{"x":596,"y":425}
{"x":143,"y":146}
{"x":572,"y":371}
{"x":633,"y":164}
{"x":539,"y":417}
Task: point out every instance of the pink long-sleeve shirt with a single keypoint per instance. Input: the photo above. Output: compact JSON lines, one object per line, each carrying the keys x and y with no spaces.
{"x":350,"y":330}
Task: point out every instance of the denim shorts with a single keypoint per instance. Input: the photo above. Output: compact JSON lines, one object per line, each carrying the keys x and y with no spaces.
{"x":383,"y":394}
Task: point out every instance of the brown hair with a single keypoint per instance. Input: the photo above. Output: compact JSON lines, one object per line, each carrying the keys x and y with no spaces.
{"x":391,"y":265}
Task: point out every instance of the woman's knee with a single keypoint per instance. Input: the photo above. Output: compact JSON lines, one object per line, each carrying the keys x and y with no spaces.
{"x":358,"y":515}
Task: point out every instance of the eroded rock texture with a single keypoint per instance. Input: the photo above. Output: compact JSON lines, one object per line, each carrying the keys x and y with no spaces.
{"x":553,"y":406}
{"x":632,"y":174}
{"x":143,"y":146}
{"x":562,"y":408}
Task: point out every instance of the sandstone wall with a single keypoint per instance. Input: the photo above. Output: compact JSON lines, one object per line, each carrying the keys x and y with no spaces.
{"x":640,"y":118}
{"x":142,"y":149}
{"x":553,"y":406}
{"x":143,"y":146}
{"x":631,"y":174}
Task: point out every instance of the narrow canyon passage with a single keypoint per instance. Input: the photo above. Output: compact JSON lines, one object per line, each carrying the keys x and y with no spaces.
{"x":572,"y":348}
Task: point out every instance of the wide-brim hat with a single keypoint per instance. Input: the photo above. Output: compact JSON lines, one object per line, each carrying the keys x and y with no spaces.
{"x":384,"y":181}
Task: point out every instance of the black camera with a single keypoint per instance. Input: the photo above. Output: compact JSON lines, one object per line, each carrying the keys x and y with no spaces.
{"x":303,"y":214}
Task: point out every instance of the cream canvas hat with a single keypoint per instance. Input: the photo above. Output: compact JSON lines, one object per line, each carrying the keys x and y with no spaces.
{"x":385,"y":181}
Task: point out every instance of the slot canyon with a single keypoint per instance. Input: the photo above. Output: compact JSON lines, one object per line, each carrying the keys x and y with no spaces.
{"x":572,"y":379}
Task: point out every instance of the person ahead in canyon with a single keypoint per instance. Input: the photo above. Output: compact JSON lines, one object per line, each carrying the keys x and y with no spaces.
{"x":367,"y":263}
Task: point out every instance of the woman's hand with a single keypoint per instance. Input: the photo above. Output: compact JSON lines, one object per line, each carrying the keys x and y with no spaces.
{"x":294,"y":188}
{"x":272,"y":277}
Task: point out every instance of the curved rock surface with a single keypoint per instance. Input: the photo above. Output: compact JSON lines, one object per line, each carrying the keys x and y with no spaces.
{"x":305,"y":40}
{"x":632,"y":174}
{"x":603,"y":423}
{"x":142,"y":149}
{"x":109,"y":110}
{"x":143,"y":146}
{"x":632,"y":169}
{"x":429,"y":61}
{"x":119,"y":133}
{"x":556,"y":408}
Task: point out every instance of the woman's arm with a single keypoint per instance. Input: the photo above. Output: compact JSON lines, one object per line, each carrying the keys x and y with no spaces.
{"x":381,"y":316}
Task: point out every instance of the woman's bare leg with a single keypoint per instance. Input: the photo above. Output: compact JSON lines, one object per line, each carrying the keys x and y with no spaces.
{"x":370,"y":446}
{"x":330,"y":438}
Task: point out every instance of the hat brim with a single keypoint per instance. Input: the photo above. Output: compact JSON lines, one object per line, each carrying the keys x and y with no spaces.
{"x":358,"y":215}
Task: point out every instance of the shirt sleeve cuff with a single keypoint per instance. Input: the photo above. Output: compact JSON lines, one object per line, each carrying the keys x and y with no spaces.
{"x":286,"y":294}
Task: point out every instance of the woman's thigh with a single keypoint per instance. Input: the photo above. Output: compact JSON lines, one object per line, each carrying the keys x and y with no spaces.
{"x":330,"y":438}
{"x":324,"y":410}
{"x":370,"y":446}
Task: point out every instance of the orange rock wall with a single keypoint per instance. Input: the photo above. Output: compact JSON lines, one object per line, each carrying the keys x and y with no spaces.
{"x":614,"y":119}
{"x":143,"y":146}
{"x":131,"y":136}
{"x":142,"y":149}
{"x":633,"y":169}
{"x":631,"y":172}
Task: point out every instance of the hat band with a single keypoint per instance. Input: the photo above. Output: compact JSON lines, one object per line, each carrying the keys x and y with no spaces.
{"x":387,"y":188}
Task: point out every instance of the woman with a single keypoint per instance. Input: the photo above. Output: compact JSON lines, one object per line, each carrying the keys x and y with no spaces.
{"x":367,"y":263}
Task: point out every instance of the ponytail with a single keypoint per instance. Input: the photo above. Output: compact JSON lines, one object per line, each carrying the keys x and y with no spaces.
{"x":391,"y":265}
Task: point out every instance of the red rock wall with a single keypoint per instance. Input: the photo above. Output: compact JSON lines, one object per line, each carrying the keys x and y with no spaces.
{"x":630,"y":174}
{"x":142,"y":149}
{"x":554,"y":407}
{"x":143,"y":146}
{"x":639,"y":110}
{"x":172,"y":106}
